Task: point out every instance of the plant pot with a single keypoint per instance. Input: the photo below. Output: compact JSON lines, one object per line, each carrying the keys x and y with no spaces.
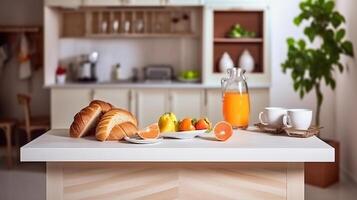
{"x":324,"y":174}
{"x":61,"y":79}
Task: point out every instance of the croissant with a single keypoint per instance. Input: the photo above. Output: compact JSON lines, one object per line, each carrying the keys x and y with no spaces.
{"x":85,"y":121}
{"x":111,"y":119}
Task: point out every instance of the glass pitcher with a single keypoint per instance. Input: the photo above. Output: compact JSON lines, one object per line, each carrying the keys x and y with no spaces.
{"x":236,"y":105}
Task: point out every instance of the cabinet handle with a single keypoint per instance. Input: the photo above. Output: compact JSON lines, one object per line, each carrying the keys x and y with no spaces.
{"x":129,"y":100}
{"x":171,"y":101}
{"x":91,"y":95}
{"x":137,"y":105}
{"x":205,"y":102}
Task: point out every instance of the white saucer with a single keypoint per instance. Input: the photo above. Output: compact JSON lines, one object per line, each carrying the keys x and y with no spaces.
{"x":142,"y":141}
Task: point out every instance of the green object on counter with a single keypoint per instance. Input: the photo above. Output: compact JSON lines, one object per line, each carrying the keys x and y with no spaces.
{"x":237,"y":31}
{"x":189,"y":74}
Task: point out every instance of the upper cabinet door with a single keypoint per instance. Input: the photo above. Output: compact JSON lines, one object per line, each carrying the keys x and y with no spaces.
{"x":120,"y":98}
{"x":184,"y":2}
{"x":150,"y":105}
{"x":63,"y":3}
{"x":187,"y":103}
{"x":102,"y":2}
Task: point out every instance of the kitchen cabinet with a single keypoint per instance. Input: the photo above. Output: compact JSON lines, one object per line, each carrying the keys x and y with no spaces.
{"x":259,"y":99}
{"x":63,"y":3}
{"x":120,"y":98}
{"x":187,"y":103}
{"x":150,"y":104}
{"x":65,"y":103}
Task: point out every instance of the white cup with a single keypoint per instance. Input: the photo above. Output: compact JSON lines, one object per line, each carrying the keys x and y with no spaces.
{"x":299,"y":119}
{"x":272,"y":116}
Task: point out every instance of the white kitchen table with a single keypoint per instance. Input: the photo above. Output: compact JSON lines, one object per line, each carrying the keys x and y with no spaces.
{"x":250,"y":165}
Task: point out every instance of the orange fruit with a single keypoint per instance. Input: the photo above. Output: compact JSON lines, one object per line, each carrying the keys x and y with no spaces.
{"x":202,"y":124}
{"x":223,"y":130}
{"x":150,"y":132}
{"x":186,"y":124}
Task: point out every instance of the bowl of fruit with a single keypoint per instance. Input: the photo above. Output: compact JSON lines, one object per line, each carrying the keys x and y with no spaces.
{"x":186,"y":128}
{"x":189,"y":128}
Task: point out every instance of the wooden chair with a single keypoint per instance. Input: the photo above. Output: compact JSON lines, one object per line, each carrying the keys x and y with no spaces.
{"x":7,"y":126}
{"x":30,"y":123}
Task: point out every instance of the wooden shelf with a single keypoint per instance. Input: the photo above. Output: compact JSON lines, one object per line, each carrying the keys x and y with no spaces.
{"x":143,"y":35}
{"x":19,"y":29}
{"x":238,"y":40}
{"x":251,"y":20}
{"x":129,"y":23}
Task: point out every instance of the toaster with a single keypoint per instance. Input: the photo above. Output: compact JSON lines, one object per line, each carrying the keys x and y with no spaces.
{"x":158,"y":73}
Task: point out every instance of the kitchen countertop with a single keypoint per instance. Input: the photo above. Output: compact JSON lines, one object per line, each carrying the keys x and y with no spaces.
{"x":149,"y":85}
{"x":244,"y":146}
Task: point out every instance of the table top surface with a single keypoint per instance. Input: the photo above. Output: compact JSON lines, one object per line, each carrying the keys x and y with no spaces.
{"x":243,"y":146}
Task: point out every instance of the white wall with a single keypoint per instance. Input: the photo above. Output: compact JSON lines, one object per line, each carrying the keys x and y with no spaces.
{"x":21,"y":12}
{"x":346,"y":95}
{"x":282,"y":93}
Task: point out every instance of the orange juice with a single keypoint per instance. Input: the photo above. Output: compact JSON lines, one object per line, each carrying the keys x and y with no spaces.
{"x":236,"y":109}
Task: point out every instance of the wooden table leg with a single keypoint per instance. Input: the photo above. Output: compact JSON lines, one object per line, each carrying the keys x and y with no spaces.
{"x":8,"y":145}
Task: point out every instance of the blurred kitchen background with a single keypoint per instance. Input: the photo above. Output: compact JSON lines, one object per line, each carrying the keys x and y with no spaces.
{"x":152,"y":56}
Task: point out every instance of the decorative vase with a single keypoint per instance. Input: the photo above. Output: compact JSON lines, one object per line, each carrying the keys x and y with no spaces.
{"x":225,"y":63}
{"x":61,"y":78}
{"x":246,"y":61}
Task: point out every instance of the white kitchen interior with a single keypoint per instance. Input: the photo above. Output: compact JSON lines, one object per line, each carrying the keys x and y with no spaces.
{"x":136,"y":54}
{"x":189,"y":49}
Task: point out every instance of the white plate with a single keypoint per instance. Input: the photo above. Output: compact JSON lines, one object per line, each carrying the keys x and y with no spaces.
{"x":183,"y":134}
{"x":141,"y":141}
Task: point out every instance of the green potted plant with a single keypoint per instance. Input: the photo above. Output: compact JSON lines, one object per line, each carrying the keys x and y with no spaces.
{"x":313,"y":62}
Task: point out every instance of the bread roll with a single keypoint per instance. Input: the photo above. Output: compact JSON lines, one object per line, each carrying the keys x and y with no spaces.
{"x":103,"y":105}
{"x":85,"y":121}
{"x":112,"y":118}
{"x":119,"y":131}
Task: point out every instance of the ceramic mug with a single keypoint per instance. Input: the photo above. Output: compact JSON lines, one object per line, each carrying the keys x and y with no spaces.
{"x":299,"y":119}
{"x":272,"y":116}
